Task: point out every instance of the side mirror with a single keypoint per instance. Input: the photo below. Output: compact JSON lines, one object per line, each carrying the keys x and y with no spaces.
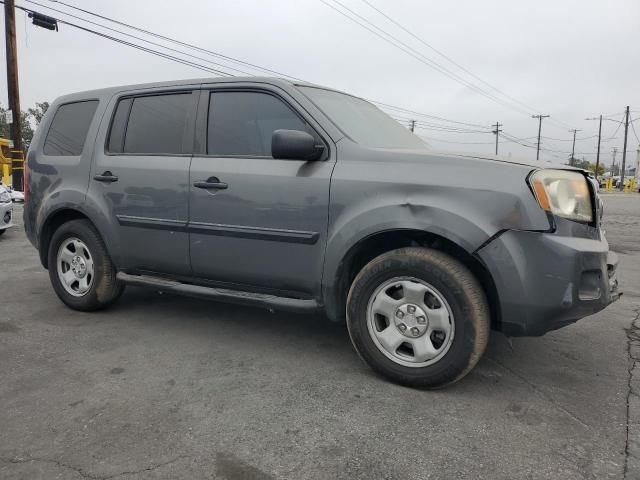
{"x":295,"y":145}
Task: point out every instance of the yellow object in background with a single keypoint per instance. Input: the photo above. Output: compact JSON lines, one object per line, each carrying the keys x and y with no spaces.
{"x":5,"y":160}
{"x":6,"y":174}
{"x":608,"y":186}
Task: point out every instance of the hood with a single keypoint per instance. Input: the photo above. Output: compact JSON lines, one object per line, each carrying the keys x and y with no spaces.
{"x":511,"y":160}
{"x":478,"y":156}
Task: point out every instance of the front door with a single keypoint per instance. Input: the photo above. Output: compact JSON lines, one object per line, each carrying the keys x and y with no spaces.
{"x":256,"y":222}
{"x":140,"y":175}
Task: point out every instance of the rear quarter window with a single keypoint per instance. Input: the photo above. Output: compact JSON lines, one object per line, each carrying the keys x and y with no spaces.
{"x":68,"y":131}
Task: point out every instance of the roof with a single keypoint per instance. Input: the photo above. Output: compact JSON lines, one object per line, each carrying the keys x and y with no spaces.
{"x":107,"y":91}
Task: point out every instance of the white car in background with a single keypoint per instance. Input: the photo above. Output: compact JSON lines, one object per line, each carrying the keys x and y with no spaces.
{"x":6,"y":209}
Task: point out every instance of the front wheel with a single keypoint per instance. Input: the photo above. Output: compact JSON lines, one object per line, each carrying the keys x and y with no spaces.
{"x":80,"y":268}
{"x":419,"y":317}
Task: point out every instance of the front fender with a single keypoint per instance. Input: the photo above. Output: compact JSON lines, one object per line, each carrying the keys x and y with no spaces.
{"x":350,"y":232}
{"x":466,"y":201}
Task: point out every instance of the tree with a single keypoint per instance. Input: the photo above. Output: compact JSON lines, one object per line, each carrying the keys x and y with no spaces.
{"x":584,"y":164}
{"x":38,"y":112}
{"x":26,"y":118}
{"x":27,"y":130}
{"x":601,"y":169}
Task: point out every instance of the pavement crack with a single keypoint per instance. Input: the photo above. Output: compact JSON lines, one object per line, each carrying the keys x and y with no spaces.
{"x":542,"y":393}
{"x":147,"y":469}
{"x":58,"y":463}
{"x":84,"y":474}
{"x":633,"y":354}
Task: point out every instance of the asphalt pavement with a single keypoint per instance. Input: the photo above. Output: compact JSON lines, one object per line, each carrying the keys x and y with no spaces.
{"x":166,"y":387}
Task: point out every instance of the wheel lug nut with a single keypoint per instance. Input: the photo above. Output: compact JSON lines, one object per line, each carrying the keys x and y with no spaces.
{"x":415,"y":331}
{"x":421,"y":320}
{"x":402,"y":327}
{"x":411,"y":309}
{"x":400,"y":314}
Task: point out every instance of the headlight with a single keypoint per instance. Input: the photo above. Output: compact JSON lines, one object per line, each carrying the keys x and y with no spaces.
{"x":563,"y":193}
{"x":5,"y":197}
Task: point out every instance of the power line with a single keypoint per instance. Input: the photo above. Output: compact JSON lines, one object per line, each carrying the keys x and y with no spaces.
{"x":413,"y":112}
{"x":173,"y":40}
{"x":617,"y":129}
{"x":414,"y":53}
{"x":421,"y":40}
{"x":217,"y":54}
{"x":138,"y":38}
{"x":136,"y":46}
{"x":457,"y":143}
{"x":633,"y":128}
{"x":424,"y":125}
{"x":444,"y":129}
{"x":569,"y":139}
{"x":454,"y":127}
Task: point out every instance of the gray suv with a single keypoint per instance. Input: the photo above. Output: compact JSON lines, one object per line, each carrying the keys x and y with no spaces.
{"x":291,"y":196}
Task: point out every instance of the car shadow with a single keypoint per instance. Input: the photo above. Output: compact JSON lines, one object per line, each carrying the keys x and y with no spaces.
{"x":244,"y":328}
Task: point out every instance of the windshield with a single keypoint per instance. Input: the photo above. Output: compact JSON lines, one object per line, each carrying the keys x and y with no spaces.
{"x":363,"y":122}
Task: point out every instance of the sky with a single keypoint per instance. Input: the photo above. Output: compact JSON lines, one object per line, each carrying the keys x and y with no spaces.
{"x":570,"y":59}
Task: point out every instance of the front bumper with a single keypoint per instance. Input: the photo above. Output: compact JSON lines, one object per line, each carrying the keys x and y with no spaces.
{"x":545,"y":281}
{"x":6,"y":215}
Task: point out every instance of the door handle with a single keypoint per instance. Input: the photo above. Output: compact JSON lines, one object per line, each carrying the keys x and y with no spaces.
{"x":211,"y":183}
{"x":106,"y":177}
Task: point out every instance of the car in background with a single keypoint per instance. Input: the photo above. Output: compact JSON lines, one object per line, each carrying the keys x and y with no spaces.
{"x":6,"y":209}
{"x":16,"y":195}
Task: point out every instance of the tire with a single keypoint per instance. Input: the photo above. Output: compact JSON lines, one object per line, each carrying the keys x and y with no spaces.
{"x":101,"y":288}
{"x":443,"y":337}
{"x":2,"y":231}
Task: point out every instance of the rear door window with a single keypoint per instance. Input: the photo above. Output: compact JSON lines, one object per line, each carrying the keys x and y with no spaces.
{"x":157,"y":124}
{"x":68,"y":131}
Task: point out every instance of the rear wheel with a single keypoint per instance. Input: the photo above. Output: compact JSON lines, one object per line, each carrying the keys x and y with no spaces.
{"x":80,"y":268}
{"x":418,"y":317}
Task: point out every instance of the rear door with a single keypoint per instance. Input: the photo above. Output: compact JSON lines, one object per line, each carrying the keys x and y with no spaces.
{"x":140,"y":177}
{"x":265,"y":228}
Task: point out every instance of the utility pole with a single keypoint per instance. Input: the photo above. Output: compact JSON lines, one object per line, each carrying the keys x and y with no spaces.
{"x":539,"y":117}
{"x":412,"y":125}
{"x":572,"y":161}
{"x":598,"y":154}
{"x":613,"y":163}
{"x":624,"y":149}
{"x":496,"y":132}
{"x":14,"y":91}
{"x":599,"y":140}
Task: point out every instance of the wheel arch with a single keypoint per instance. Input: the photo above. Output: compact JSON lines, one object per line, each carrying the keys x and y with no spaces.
{"x":375,"y":244}
{"x":53,"y":221}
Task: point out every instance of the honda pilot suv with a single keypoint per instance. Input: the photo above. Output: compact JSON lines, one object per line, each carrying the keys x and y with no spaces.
{"x":291,"y":196}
